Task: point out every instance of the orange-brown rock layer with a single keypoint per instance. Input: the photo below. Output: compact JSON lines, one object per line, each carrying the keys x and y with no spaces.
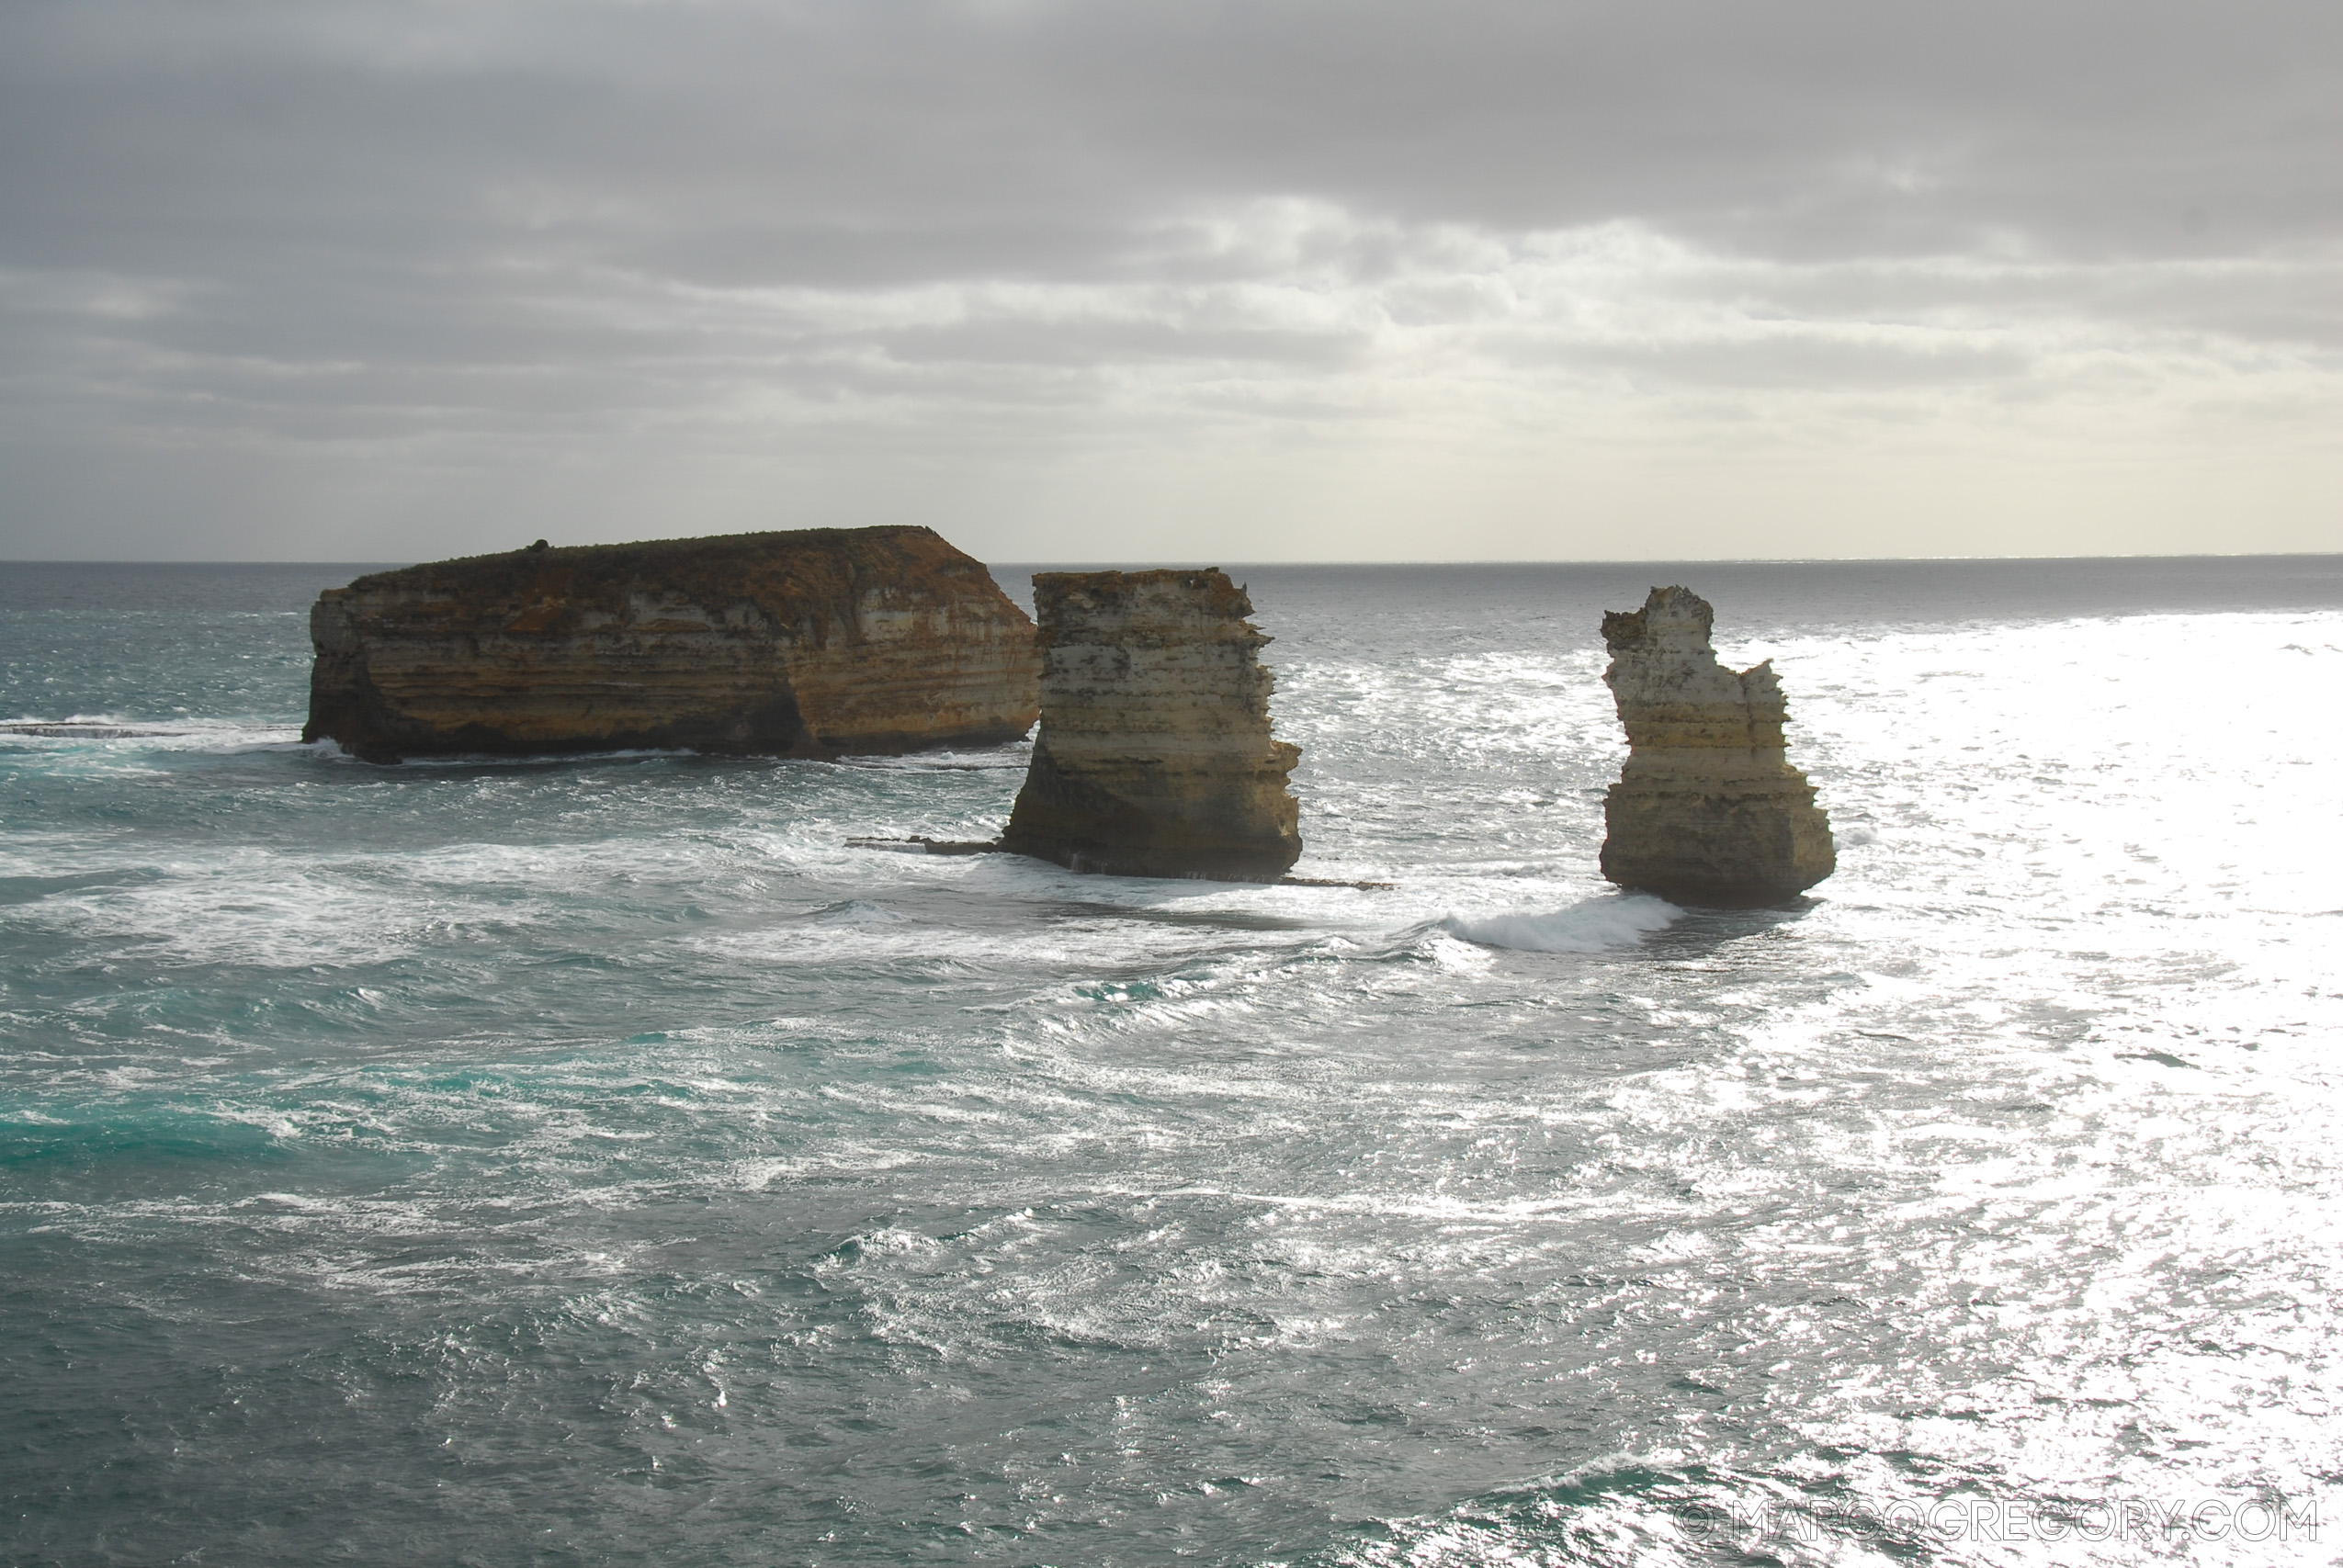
{"x":1708,"y":810}
{"x":822,"y":642}
{"x":1155,"y":757}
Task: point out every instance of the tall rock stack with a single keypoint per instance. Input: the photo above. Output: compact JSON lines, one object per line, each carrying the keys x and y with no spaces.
{"x":1708,"y":810}
{"x":817,"y":643}
{"x":1155,"y":757}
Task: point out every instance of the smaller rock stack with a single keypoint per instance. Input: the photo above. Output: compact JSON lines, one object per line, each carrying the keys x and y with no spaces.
{"x":1155,"y":757}
{"x":1708,"y":810}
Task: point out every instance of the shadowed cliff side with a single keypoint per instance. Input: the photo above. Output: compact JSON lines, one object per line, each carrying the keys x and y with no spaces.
{"x":817,"y":643}
{"x":1155,"y":757}
{"x":1708,"y":810}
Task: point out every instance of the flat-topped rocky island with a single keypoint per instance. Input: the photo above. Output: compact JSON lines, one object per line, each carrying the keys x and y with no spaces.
{"x":818,"y":643}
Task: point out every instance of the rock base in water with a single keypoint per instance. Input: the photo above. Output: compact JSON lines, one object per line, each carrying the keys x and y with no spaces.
{"x":1708,"y":810}
{"x":1155,"y":757}
{"x":824,"y":642}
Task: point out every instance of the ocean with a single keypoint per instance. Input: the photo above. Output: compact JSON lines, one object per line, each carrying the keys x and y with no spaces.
{"x":599,"y":1161}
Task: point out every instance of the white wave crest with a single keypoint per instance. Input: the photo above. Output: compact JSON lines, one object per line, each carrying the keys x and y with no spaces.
{"x":107,"y":732}
{"x":859,"y":912}
{"x":1592,"y":925}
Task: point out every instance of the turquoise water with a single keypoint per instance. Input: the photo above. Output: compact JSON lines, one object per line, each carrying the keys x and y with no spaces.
{"x":597,"y":1161}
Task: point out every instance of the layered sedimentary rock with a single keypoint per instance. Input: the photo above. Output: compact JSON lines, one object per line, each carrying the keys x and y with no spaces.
{"x":1155,"y":757}
{"x":1708,"y":810}
{"x":818,"y":643}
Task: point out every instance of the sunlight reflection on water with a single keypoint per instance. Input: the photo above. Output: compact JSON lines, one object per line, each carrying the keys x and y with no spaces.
{"x":432,"y":1157}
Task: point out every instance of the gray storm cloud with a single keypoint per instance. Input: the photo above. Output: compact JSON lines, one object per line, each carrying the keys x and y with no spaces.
{"x":1281,"y":279}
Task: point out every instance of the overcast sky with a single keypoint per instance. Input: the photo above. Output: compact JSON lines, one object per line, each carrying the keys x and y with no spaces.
{"x":1186,"y":280}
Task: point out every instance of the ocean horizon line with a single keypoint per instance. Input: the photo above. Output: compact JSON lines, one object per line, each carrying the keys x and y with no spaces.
{"x":1143,"y":564}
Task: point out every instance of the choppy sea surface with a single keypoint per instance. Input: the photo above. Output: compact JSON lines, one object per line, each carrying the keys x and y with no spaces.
{"x":597,"y":1161}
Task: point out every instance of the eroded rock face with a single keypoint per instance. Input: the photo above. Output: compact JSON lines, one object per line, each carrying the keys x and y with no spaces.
{"x":1155,"y":757}
{"x":818,"y":643}
{"x":1708,"y":810}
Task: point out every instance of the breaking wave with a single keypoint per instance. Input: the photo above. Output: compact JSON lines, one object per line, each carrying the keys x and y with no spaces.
{"x":1592,"y":925}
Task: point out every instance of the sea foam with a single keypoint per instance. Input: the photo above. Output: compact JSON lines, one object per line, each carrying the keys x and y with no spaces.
{"x":1592,"y":925}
